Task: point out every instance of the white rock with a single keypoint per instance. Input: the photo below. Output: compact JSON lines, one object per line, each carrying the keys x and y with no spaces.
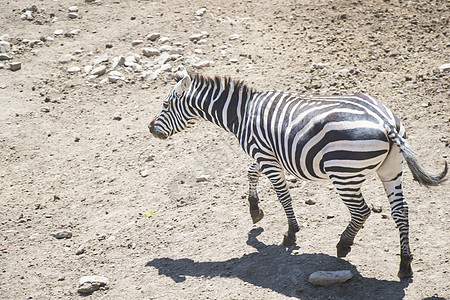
{"x":163,"y":58}
{"x":118,"y":61}
{"x":205,"y":34}
{"x":203,"y":178}
{"x":166,"y":68}
{"x":58,"y":32}
{"x":73,"y":9}
{"x":233,"y":60}
{"x":200,"y":12}
{"x":72,"y":15}
{"x":73,"y":70}
{"x":100,"y":59}
{"x":63,"y":234}
{"x":153,"y":36}
{"x":445,"y":68}
{"x":318,"y":65}
{"x":90,"y":284}
{"x":4,"y":56}
{"x":165,"y":48}
{"x":325,"y":278}
{"x":66,"y":58}
{"x":150,"y":52}
{"x":4,"y":47}
{"x":175,"y":56}
{"x":164,"y":40}
{"x":15,"y":66}
{"x":176,"y":51}
{"x":196,"y":37}
{"x":136,"y":42}
{"x":115,"y":76}
{"x":88,"y":69}
{"x":202,"y":64}
{"x":234,"y":37}
{"x":2,"y":66}
{"x":75,"y":32}
{"x":5,"y":38}
{"x":144,"y":173}
{"x":27,"y":15}
{"x":98,"y":71}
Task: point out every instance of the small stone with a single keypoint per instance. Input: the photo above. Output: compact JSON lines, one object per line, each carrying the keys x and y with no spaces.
{"x":15,"y":66}
{"x":203,"y":178}
{"x":80,"y":250}
{"x":200,"y":12}
{"x":165,"y":48}
{"x":144,"y":173}
{"x":176,"y":51}
{"x":27,"y":15}
{"x":2,"y":66}
{"x":73,"y":70}
{"x":326,"y":278}
{"x":73,"y":8}
{"x":4,"y":56}
{"x":66,"y":58}
{"x":377,"y":209}
{"x":5,"y":47}
{"x":153,"y":36}
{"x":87,"y":69}
{"x":117,"y":116}
{"x":63,"y":234}
{"x":90,"y":284}
{"x":164,"y":40}
{"x":115,"y":76}
{"x":58,"y":32}
{"x":310,"y":202}
{"x":384,"y":216}
{"x":72,"y":15}
{"x":202,"y":64}
{"x":233,"y":60}
{"x":445,"y":68}
{"x":98,"y":71}
{"x":5,"y":38}
{"x":234,"y":37}
{"x":150,"y":52}
{"x":317,"y":65}
{"x":136,"y":42}
{"x":100,"y":59}
{"x":330,"y":216}
{"x":118,"y":61}
{"x":196,"y":37}
{"x":425,"y":105}
{"x":45,"y":109}
{"x":163,"y":58}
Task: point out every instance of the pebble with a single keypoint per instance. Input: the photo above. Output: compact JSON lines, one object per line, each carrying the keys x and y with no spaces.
{"x":150,"y":52}
{"x":5,"y":37}
{"x":330,"y":216}
{"x":117,"y":116}
{"x":27,"y":15}
{"x":99,"y":71}
{"x":118,"y":61}
{"x":115,"y":76}
{"x":75,"y":32}
{"x":445,"y":68}
{"x":165,"y":48}
{"x":234,"y":37}
{"x":196,"y":37}
{"x":90,"y":284}
{"x":73,"y":70}
{"x":233,"y":60}
{"x":2,"y":66}
{"x":100,"y":59}
{"x":203,"y":178}
{"x":176,"y":50}
{"x":200,"y":12}
{"x":58,"y":32}
{"x":153,"y":36}
{"x":66,"y":58}
{"x":326,"y":278}
{"x":136,"y":42}
{"x":202,"y":64}
{"x":377,"y":209}
{"x":4,"y":46}
{"x":73,"y":9}
{"x":72,"y":15}
{"x":4,"y":56}
{"x":63,"y":234}
{"x":144,"y":173}
{"x":310,"y":202}
{"x":88,"y":69}
{"x":15,"y":66}
{"x":163,"y":58}
{"x":164,"y":40}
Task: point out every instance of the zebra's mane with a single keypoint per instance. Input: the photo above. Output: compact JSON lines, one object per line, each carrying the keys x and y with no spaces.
{"x":238,"y":84}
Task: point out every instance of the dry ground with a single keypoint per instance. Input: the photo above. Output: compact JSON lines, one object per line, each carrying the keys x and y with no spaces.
{"x":66,"y":163}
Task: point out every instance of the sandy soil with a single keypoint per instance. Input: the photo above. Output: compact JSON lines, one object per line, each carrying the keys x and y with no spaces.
{"x":73,"y":150}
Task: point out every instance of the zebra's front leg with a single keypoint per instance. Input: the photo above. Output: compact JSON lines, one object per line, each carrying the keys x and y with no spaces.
{"x":253,"y":177}
{"x":276,"y":175}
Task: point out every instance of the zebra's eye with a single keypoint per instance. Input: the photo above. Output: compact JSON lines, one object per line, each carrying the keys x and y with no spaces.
{"x":165,"y":104}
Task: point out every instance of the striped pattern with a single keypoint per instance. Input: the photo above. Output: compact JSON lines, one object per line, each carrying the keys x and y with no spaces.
{"x":341,"y":138}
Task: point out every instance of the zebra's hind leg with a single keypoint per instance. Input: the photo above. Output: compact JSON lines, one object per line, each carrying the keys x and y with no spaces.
{"x":253,"y":177}
{"x":350,"y":192}
{"x":390,"y":174}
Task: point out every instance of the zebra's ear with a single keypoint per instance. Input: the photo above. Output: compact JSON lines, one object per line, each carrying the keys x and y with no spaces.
{"x":183,"y":84}
{"x":181,"y":72}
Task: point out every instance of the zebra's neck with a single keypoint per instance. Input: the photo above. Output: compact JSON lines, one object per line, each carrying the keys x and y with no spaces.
{"x":220,"y":100}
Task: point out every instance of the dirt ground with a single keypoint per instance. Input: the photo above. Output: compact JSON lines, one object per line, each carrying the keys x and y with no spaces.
{"x":169,"y":219}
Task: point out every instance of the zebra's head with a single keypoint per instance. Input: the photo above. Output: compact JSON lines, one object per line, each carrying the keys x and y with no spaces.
{"x":174,"y":115}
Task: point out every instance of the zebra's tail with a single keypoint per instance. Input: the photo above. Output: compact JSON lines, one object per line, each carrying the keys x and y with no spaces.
{"x":419,"y":173}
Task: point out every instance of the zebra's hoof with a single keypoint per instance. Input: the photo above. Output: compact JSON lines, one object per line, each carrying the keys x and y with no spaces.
{"x":405,"y":267}
{"x":289,"y":239}
{"x":343,"y":249}
{"x":257,"y":215}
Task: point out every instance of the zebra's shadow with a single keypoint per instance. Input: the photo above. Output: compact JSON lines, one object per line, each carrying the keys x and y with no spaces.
{"x":276,"y":268}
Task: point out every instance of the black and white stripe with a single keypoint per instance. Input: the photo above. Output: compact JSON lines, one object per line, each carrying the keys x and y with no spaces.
{"x":343,"y":138}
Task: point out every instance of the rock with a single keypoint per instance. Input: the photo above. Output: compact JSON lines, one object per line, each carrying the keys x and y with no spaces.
{"x":317,"y":65}
{"x":176,"y":51}
{"x":445,"y":68}
{"x":202,"y":178}
{"x":5,"y":38}
{"x":118,"y":61}
{"x":100,"y":59}
{"x":330,"y":216}
{"x":144,"y":173}
{"x":27,"y":15}
{"x":90,"y":284}
{"x":165,"y":48}
{"x":88,"y":69}
{"x":196,"y":37}
{"x":326,"y":278}
{"x":166,"y":68}
{"x":73,"y":70}
{"x":63,"y":234}
{"x":58,"y":32}
{"x":163,"y":58}
{"x":117,"y":116}
{"x":200,"y":12}
{"x":66,"y":58}
{"x":136,"y":42}
{"x":310,"y":202}
{"x":73,"y":9}
{"x":115,"y":76}
{"x":150,"y":52}
{"x":2,"y":66}
{"x":80,"y":250}
{"x":75,"y":32}
{"x":153,"y":36}
{"x":164,"y":40}
{"x":15,"y":66}
{"x":234,"y":37}
{"x":377,"y":209}
{"x":99,"y":71}
{"x":202,"y":64}
{"x":72,"y":15}
{"x":233,"y":60}
{"x":5,"y":47}
{"x":4,"y":56}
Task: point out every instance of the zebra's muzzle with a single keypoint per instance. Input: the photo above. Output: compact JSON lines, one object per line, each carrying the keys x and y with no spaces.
{"x":155,"y":132}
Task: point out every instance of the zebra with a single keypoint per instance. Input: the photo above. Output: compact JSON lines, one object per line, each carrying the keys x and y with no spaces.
{"x":343,"y":138}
